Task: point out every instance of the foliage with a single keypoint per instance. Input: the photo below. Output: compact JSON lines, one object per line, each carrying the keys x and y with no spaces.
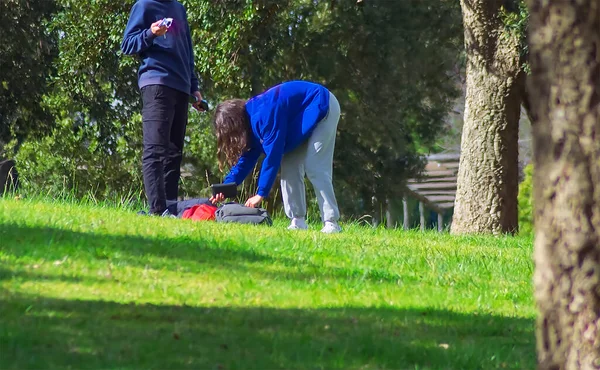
{"x":387,"y":62}
{"x":515,"y":17}
{"x":525,"y":200}
{"x":94,"y":287}
{"x":27,"y":50}
{"x":392,"y":77}
{"x":81,"y":164}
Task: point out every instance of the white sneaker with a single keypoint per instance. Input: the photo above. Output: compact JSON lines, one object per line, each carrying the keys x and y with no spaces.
{"x":298,"y":224}
{"x":331,"y":228}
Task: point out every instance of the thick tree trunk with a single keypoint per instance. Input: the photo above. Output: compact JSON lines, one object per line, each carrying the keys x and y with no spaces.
{"x":486,"y":197}
{"x":565,"y":100}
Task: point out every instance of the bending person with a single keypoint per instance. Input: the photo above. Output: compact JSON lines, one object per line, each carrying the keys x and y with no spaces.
{"x":294,"y":124}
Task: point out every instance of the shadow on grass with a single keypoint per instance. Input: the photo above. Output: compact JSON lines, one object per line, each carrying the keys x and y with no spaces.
{"x":55,"y":244}
{"x":50,"y":333}
{"x":53,"y":333}
{"x":7,"y":274}
{"x":198,"y":252}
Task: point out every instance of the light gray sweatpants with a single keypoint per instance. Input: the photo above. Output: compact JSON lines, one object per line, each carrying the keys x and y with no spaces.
{"x":314,"y":159}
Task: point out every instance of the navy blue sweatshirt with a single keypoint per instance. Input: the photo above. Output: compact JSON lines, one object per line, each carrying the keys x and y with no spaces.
{"x":166,"y":60}
{"x":281,"y":119}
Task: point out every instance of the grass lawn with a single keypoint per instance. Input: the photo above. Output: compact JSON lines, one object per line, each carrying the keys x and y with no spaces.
{"x":90,"y":287}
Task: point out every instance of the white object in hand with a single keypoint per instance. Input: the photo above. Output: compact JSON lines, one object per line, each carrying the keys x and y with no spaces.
{"x":166,"y":22}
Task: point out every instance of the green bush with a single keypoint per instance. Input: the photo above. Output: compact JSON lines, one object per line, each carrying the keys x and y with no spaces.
{"x":526,"y":202}
{"x":75,"y":161}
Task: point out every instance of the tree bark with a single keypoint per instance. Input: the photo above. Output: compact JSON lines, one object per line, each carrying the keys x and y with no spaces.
{"x":486,"y":196}
{"x":565,"y":99}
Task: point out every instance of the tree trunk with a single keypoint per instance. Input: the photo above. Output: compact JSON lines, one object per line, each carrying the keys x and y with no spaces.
{"x":390,"y":214}
{"x":377,"y":208}
{"x":422,"y":216}
{"x":565,"y":100}
{"x":486,"y":196}
{"x":406,"y":214}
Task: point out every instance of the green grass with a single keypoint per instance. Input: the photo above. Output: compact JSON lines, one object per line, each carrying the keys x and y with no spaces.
{"x":91,"y":287}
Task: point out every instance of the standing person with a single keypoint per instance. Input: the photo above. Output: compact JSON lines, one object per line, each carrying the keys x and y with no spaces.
{"x":294,"y":124}
{"x":166,"y":80}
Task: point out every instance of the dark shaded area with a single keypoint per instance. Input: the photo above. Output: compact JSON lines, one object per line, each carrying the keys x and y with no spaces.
{"x":55,"y":244}
{"x":28,"y":52}
{"x":55,"y":333}
{"x":9,"y":177}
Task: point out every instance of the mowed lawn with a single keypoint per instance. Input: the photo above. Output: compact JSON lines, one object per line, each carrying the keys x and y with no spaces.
{"x":90,"y":287}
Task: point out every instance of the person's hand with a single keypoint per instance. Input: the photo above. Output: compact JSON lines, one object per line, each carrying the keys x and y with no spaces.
{"x":196,"y":105}
{"x":254,"y":201}
{"x":158,"y":30}
{"x":217,"y":198}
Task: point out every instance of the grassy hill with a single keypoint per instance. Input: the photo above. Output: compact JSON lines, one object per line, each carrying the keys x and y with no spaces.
{"x":96,"y":287}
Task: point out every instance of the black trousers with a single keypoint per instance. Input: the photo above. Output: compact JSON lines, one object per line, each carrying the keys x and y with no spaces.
{"x":164,"y":118}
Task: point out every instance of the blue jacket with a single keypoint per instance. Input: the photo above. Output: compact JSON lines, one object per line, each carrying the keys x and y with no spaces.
{"x":281,"y":119}
{"x":166,"y":60}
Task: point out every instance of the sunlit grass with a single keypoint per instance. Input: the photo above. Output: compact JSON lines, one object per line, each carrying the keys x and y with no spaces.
{"x":96,"y":286}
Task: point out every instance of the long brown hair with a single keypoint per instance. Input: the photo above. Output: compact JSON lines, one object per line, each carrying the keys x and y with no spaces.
{"x":232,"y":127}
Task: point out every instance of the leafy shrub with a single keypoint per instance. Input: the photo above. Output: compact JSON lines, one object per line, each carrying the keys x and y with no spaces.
{"x":74,"y":162}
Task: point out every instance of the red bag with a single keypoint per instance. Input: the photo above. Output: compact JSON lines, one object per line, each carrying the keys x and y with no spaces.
{"x":200,"y":212}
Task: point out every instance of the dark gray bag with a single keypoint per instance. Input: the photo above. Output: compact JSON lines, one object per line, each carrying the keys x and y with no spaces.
{"x":235,"y":212}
